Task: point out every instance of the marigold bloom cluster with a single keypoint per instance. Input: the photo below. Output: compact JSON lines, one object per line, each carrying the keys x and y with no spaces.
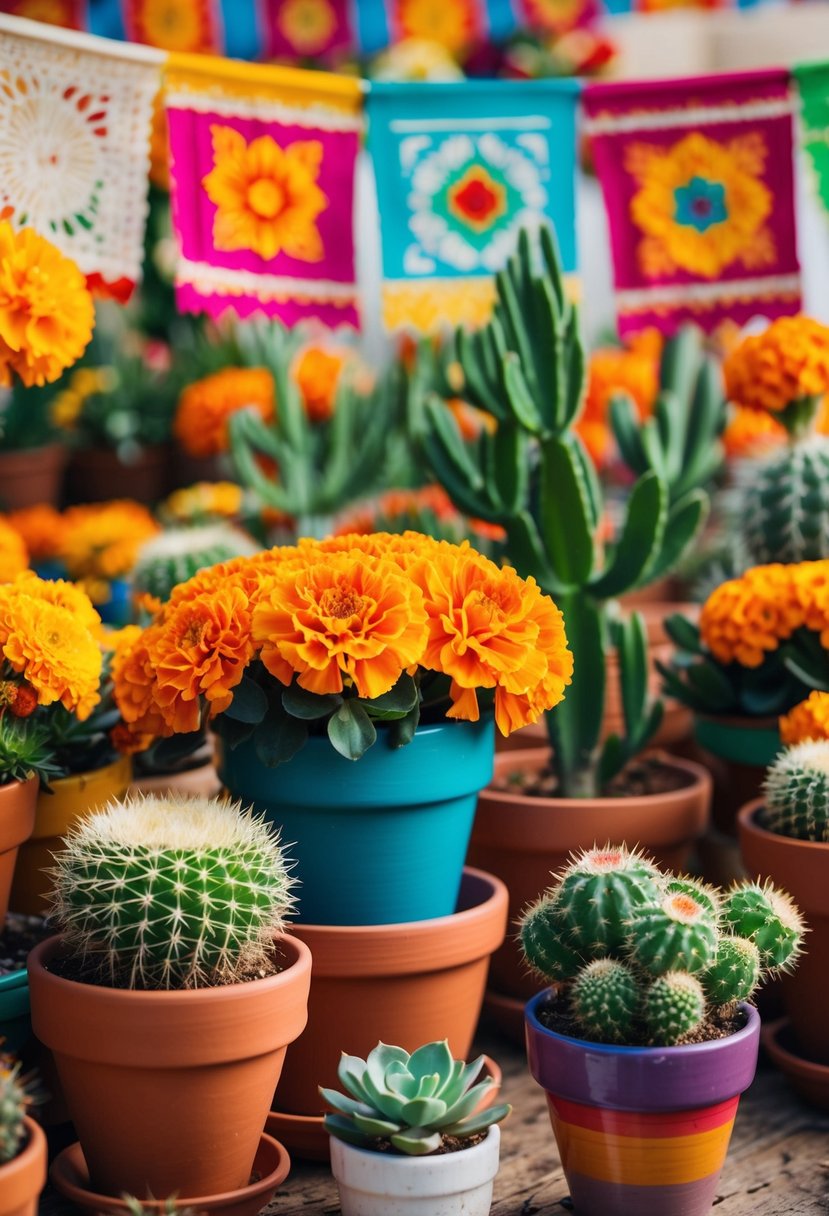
{"x":100,"y":541}
{"x":206,"y":406}
{"x":14,"y":557}
{"x":808,"y":720}
{"x":204,"y":501}
{"x":347,"y":616}
{"x":751,"y":433}
{"x":317,"y":373}
{"x":749,"y":617}
{"x":787,"y":362}
{"x":41,"y":529}
{"x":46,"y":309}
{"x":49,"y":634}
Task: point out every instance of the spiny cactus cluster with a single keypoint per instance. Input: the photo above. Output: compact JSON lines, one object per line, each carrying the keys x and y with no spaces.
{"x":784,"y":507}
{"x":164,"y":892}
{"x":797,"y":792}
{"x":13,"y":1107}
{"x":176,"y":554}
{"x":412,"y":1101}
{"x":647,"y":957}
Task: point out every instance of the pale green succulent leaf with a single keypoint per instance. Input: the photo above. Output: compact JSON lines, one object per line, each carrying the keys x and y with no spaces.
{"x":344,"y":1104}
{"x":431,"y":1058}
{"x":466,"y":1104}
{"x":371,"y":1125}
{"x":417,"y":1141}
{"x":343,"y":1128}
{"x":478,"y":1123}
{"x":424,"y":1111}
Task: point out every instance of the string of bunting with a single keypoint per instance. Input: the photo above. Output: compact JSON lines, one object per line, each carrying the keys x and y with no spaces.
{"x":697,"y":176}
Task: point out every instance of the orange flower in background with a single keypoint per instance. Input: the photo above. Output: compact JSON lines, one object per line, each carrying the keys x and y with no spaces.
{"x":786,"y":362}
{"x":172,"y":25}
{"x":205,"y":407}
{"x":204,"y":500}
{"x":747,"y":618}
{"x":133,"y":679}
{"x":811,"y":583}
{"x":751,"y":433}
{"x":452,"y":23}
{"x":53,"y":650}
{"x":341,"y":615}
{"x":267,"y":197}
{"x":317,"y":373}
{"x":63,"y":595}
{"x":101,"y":540}
{"x":808,"y":720}
{"x":41,"y":529}
{"x":46,"y":310}
{"x":631,"y":371}
{"x":471,"y":421}
{"x":14,"y":558}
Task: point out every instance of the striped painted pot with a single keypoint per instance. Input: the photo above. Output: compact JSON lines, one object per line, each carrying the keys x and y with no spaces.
{"x":642,"y":1131}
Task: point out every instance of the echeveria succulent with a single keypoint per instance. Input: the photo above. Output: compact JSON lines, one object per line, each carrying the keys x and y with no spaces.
{"x":412,"y":1101}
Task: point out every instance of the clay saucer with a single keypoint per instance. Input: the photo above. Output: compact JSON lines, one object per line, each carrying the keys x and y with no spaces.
{"x":307,"y":1138}
{"x":809,"y":1079}
{"x":271,"y":1164}
{"x":506,"y":1013}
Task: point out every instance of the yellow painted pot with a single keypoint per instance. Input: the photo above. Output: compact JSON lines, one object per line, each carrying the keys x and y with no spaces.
{"x":56,"y":813}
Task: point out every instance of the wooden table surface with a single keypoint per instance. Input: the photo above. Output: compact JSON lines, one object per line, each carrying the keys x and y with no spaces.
{"x":778,"y":1163}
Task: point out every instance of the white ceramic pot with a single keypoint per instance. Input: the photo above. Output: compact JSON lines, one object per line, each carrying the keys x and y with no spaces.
{"x":382,"y":1184}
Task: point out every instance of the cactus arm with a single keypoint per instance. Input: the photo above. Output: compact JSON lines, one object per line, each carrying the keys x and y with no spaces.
{"x":574,"y":374}
{"x":525,"y":550}
{"x":480,"y":355}
{"x":595,"y":497}
{"x":508,"y":459}
{"x":565,"y":513}
{"x":517,"y":326}
{"x":576,"y":725}
{"x":685,"y":519}
{"x":250,"y":473}
{"x":551,"y":263}
{"x":446,"y":432}
{"x":681,"y":357}
{"x":625,"y":425}
{"x":641,"y":538}
{"x":519,"y":395}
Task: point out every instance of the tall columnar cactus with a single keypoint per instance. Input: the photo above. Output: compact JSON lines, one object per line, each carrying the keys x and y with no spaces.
{"x":176,"y":554}
{"x":669,"y":954}
{"x":13,"y":1106}
{"x":797,"y":792}
{"x":533,"y":476}
{"x":171,"y":892}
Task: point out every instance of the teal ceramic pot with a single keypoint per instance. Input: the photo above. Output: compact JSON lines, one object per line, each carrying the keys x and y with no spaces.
{"x":15,"y":1016}
{"x":117,"y":611}
{"x":737,"y":752}
{"x":376,"y":841}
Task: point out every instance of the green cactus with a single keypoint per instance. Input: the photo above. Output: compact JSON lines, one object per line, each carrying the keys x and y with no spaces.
{"x":544,"y":942}
{"x":13,"y":1107}
{"x":605,"y":997}
{"x":679,"y":934}
{"x":797,"y":792}
{"x":639,"y":956}
{"x":171,"y":892}
{"x":413,"y":1101}
{"x":734,"y":973}
{"x":681,"y":439}
{"x":598,"y":896}
{"x":784,"y":506}
{"x":532,"y":476}
{"x":768,"y":918}
{"x":674,"y":1007}
{"x":321,"y":467}
{"x":176,"y":554}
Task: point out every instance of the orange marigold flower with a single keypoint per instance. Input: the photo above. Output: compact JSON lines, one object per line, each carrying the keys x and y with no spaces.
{"x":471,"y":421}
{"x":205,"y":407}
{"x":751,"y":433}
{"x":41,"y":528}
{"x":101,"y":540}
{"x":204,"y":500}
{"x":19,"y":699}
{"x":811,"y":583}
{"x":133,"y":679}
{"x":201,"y":649}
{"x":14,"y":558}
{"x":787,"y":362}
{"x":341,"y":615}
{"x":808,"y":720}
{"x":52,"y":650}
{"x":46,"y":310}
{"x":127,"y":741}
{"x":317,"y":373}
{"x":747,"y":618}
{"x":61,"y":593}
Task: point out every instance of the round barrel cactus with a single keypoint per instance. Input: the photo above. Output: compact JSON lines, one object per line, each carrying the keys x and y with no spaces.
{"x":13,"y":1105}
{"x":797,"y":792}
{"x":176,"y":554}
{"x":784,"y":507}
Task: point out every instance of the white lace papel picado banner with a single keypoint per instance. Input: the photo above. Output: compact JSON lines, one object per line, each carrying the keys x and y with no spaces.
{"x":75,"y":122}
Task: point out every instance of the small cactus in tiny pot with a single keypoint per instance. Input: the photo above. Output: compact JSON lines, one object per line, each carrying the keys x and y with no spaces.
{"x":642,"y":957}
{"x":797,"y":792}
{"x":411,"y":1101}
{"x":13,"y":1106}
{"x":164,"y":892}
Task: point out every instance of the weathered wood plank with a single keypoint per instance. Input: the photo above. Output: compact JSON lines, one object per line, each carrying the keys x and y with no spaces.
{"x":778,"y":1164}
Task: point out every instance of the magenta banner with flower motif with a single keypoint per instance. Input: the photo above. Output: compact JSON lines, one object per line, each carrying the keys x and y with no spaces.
{"x":262,"y":166}
{"x":307,"y":29}
{"x":698,"y":182}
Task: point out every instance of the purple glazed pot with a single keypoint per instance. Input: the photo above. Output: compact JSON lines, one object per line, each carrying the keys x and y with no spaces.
{"x":642,"y":1131}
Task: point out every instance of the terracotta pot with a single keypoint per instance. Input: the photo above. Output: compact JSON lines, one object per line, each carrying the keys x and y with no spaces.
{"x":800,"y":867}
{"x":56,"y":813}
{"x":406,"y":984}
{"x":18,"y":800}
{"x":22,"y":1179}
{"x":202,"y":782}
{"x":99,"y":474}
{"x":808,"y":1079}
{"x":522,"y":839}
{"x":736,"y":751}
{"x":31,"y":476}
{"x":169,"y":1091}
{"x":642,"y":1131}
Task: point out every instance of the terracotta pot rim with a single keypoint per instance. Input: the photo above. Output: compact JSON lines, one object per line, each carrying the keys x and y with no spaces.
{"x":700,"y":777}
{"x":28,"y":1168}
{"x":7,"y":786}
{"x":788,"y":1059}
{"x":742,"y":721}
{"x":416,"y":946}
{"x":18,"y":801}
{"x":747,"y":817}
